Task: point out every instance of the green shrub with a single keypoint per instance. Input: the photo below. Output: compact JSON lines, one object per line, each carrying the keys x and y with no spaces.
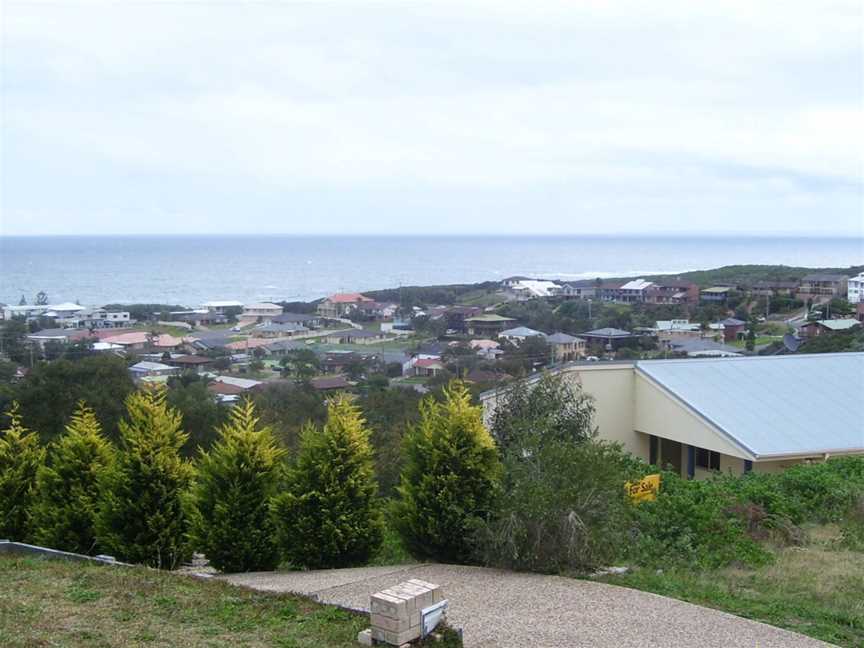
{"x":330,"y":515}
{"x":450,"y":479}
{"x":142,"y":515}
{"x":694,"y":522}
{"x":67,"y":486}
{"x":563,"y":508}
{"x":235,"y":481}
{"x":20,"y":458}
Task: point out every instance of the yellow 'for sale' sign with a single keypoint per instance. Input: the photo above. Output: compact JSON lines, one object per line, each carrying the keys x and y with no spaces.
{"x":644,"y":490}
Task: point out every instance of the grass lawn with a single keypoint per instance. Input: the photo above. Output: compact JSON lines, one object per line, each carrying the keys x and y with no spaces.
{"x":817,"y":590}
{"x":57,"y":603}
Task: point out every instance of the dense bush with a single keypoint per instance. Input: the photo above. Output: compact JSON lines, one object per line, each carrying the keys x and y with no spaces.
{"x":20,"y":458}
{"x":563,"y":508}
{"x":450,"y":479}
{"x":142,"y":515}
{"x":235,"y":481}
{"x":67,"y":485}
{"x":694,"y":522}
{"x":549,"y":409}
{"x":329,"y":514}
{"x":719,"y":521}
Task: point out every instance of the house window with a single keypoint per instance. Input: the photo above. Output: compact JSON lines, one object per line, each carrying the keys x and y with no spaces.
{"x":707,"y":459}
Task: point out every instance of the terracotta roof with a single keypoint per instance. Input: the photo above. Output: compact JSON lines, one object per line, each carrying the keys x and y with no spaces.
{"x":224,"y":388}
{"x":427,"y":363}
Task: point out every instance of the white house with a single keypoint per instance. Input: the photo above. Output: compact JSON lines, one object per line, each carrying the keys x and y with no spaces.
{"x":261,"y":311}
{"x":520,"y":334}
{"x":223,"y":306}
{"x":855,"y":289}
{"x":531,"y":288}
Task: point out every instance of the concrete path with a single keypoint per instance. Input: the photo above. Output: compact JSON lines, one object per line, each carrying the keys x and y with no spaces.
{"x":515,"y":610}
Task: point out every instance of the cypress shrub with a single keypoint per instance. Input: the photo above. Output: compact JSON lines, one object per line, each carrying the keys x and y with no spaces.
{"x":67,"y":486}
{"x":234,"y":484}
{"x":20,"y":458}
{"x":142,"y":516}
{"x":450,"y":480}
{"x":330,"y":515}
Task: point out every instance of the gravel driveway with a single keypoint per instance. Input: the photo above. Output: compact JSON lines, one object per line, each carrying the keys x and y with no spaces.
{"x":516,"y":610}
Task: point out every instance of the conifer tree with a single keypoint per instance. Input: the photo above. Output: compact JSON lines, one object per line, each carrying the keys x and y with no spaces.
{"x":450,"y":479}
{"x":330,"y":515}
{"x":20,"y":458}
{"x":67,"y":486}
{"x":235,"y":482}
{"x":143,"y":512}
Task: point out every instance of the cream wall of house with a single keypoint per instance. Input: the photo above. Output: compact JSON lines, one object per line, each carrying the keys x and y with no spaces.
{"x":612,"y":390}
{"x":657,"y":412}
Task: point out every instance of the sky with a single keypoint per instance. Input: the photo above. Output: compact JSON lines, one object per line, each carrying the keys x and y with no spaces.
{"x":570,"y":117}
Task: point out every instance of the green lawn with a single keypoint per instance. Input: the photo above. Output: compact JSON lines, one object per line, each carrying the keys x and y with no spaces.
{"x":76,"y":605}
{"x":817,"y":590}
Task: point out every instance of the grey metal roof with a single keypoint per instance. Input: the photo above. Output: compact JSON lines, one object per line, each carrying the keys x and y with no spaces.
{"x":607,"y":333}
{"x":560,"y":338}
{"x":522,"y":331}
{"x":773,"y":405}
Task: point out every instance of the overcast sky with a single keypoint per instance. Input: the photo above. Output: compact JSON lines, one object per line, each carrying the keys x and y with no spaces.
{"x":441,"y":117}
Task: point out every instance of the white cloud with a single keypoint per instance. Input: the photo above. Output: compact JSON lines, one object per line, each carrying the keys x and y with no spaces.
{"x":744,"y":106}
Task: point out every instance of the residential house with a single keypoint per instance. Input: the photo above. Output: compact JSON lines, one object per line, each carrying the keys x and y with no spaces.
{"x":823,"y":285}
{"x":486,"y":349}
{"x":731,"y":328}
{"x":428,"y":367}
{"x":248,"y":344}
{"x":261,"y":311}
{"x":665,"y":329}
{"x":148,"y":369}
{"x":488,"y":324}
{"x":61,"y":335}
{"x":225,"y":393}
{"x":582,"y":289}
{"x":609,"y":291}
{"x":198,"y":317}
{"x":519,"y":334}
{"x":272,"y":330}
{"x":774,"y":288}
{"x":355,"y":336}
{"x":609,"y":338}
{"x":93,"y":318}
{"x":855,"y":289}
{"x":715,"y":294}
{"x":141,"y":340}
{"x":672,"y":291}
{"x":193,"y":363}
{"x":224,"y":307}
{"x":309,"y":320}
{"x":282,"y":347}
{"x":374,"y":310}
{"x":705,"y":416}
{"x":821,"y":327}
{"x":634,"y":291}
{"x":338,"y":361}
{"x":341,"y":304}
{"x":246,"y":384}
{"x":565,"y":347}
{"x":522,"y":289}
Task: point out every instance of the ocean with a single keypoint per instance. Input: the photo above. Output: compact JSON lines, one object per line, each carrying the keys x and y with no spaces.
{"x":189,"y":270}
